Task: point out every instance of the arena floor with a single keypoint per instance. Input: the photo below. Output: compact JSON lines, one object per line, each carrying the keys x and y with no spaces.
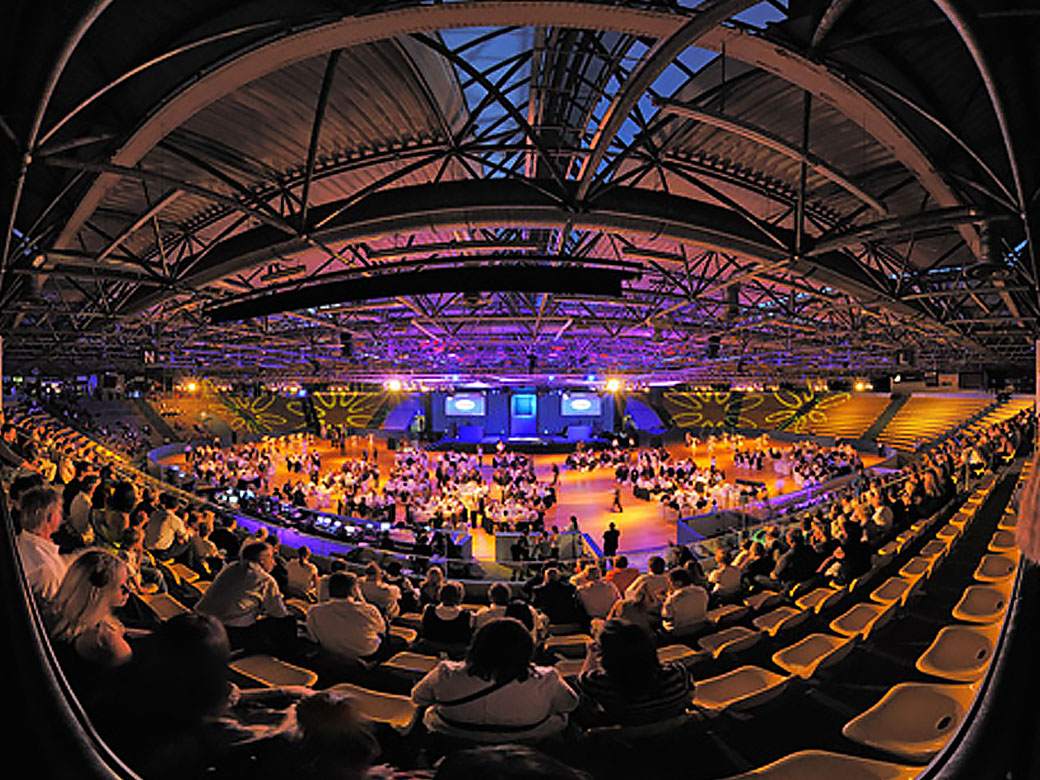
{"x":586,"y":495}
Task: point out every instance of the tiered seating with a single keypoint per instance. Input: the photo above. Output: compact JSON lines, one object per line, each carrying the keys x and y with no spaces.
{"x":1003,"y":411}
{"x":926,"y":417}
{"x":848,"y":419}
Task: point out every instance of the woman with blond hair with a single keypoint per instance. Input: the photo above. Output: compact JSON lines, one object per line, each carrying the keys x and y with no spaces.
{"x":82,"y":614}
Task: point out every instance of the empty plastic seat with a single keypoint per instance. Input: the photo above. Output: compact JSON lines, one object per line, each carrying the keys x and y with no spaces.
{"x":821,"y":765}
{"x":183,"y":573}
{"x":570,"y":667}
{"x":962,"y":519}
{"x":916,"y":567}
{"x":565,"y":629}
{"x":742,"y":688}
{"x":271,"y":672}
{"x":863,"y":619}
{"x":408,"y":635}
{"x":995,"y":568}
{"x":163,"y":606}
{"x":298,"y":607}
{"x":1009,"y":522}
{"x":396,"y":711}
{"x":948,"y":533}
{"x":571,"y":645}
{"x":820,"y":599}
{"x":912,"y":720}
{"x":411,"y":664}
{"x":759,"y":602}
{"x":680,"y":653}
{"x":816,"y":651}
{"x":726,"y":615}
{"x":409,"y":620}
{"x":932,"y":549}
{"x":960,"y":653}
{"x":895,"y":590}
{"x":983,"y":603}
{"x":729,"y":640}
{"x":1002,"y":541}
{"x":781,"y":619}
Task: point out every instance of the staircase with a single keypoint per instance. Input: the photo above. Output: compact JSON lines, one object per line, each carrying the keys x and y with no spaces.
{"x":155,"y":419}
{"x":883,"y":419}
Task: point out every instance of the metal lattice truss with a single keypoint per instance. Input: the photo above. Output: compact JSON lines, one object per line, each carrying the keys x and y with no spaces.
{"x":782,"y":201}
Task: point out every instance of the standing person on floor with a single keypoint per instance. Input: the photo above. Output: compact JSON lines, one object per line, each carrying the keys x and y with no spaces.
{"x":617,"y":501}
{"x":611,"y":541}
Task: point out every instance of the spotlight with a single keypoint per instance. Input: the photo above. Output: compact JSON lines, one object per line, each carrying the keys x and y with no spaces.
{"x":191,"y":386}
{"x":613,"y":385}
{"x":394,"y":385}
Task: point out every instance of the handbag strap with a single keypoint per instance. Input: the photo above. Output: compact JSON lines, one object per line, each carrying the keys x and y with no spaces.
{"x":476,"y":695}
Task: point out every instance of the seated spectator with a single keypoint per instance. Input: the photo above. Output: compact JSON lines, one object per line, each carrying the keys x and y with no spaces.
{"x":556,"y":598}
{"x":379,"y":593}
{"x":696,"y":571}
{"x":207,"y":558}
{"x":622,"y":575}
{"x":725,"y":578}
{"x":430,"y":587}
{"x":79,"y":532}
{"x":302,"y":575}
{"x":654,"y":583}
{"x":392,"y":575}
{"x":758,"y":569}
{"x":225,"y":538}
{"x":330,"y":740}
{"x":686,"y":608}
{"x":504,"y":762}
{"x":116,"y":516}
{"x":796,"y":565}
{"x":635,"y":608}
{"x":597,"y":596}
{"x":501,"y":604}
{"x":40,"y":516}
{"x":242,"y":594}
{"x":81,"y":617}
{"x":346,"y":627}
{"x":851,"y":559}
{"x":200,"y":722}
{"x":142,"y":573}
{"x":447,"y":625}
{"x":623,"y":682}
{"x":496,"y":694}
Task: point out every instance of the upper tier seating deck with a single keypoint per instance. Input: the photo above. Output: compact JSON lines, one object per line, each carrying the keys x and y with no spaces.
{"x":927,"y":417}
{"x":845,"y":419}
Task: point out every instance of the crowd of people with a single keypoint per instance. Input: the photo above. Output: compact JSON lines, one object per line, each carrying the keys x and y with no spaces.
{"x":96,"y":541}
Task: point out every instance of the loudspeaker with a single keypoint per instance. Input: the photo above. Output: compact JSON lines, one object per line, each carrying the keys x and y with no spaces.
{"x":713,"y":347}
{"x":391,"y":443}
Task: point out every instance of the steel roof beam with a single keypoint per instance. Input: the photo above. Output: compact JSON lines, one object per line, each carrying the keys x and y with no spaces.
{"x":653,"y":64}
{"x":774,"y":142}
{"x":828,"y":83}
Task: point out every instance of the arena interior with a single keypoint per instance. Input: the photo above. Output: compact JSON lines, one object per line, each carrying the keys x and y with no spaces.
{"x":489,"y":389}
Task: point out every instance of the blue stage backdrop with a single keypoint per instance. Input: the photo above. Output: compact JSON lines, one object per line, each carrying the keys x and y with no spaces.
{"x":578,"y":421}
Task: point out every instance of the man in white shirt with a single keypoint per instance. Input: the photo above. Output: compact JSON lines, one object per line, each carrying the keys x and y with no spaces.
{"x":686,"y":607}
{"x":165,"y":534}
{"x":654,"y":583}
{"x":597,"y":595}
{"x":40,"y":515}
{"x":303,"y":575}
{"x":245,"y":598}
{"x":377,"y":592}
{"x":346,"y":626}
